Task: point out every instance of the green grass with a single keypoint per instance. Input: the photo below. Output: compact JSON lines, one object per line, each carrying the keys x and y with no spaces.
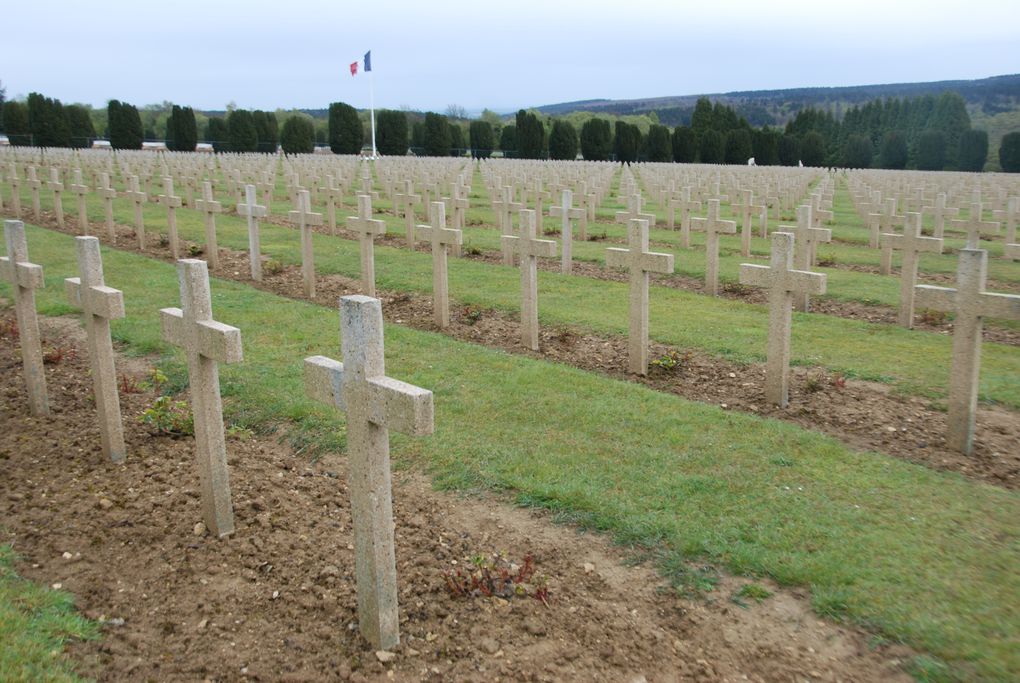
{"x":920,"y":556}
{"x":35,"y":623}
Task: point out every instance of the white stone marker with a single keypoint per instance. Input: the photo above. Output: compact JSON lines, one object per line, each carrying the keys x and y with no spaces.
{"x":367,"y":228}
{"x":207,"y":343}
{"x":12,"y":172}
{"x":34,"y":184}
{"x":374,"y":404}
{"x":138,"y":198}
{"x":529,"y":248}
{"x":912,"y":244}
{"x":939,"y":211}
{"x":804,"y":250}
{"x":565,"y":212}
{"x":783,"y":282}
{"x":100,"y":304}
{"x":57,"y":187}
{"x":1010,"y":215}
{"x":685,"y":206}
{"x":253,"y":212}
{"x":408,"y":201}
{"x":1012,"y":252}
{"x":210,"y":207}
{"x":441,"y":239}
{"x":713,"y":227}
{"x":305,"y":219}
{"x":172,"y":203}
{"x":25,"y":278}
{"x":81,"y":189}
{"x":108,"y":194}
{"x":640,"y":262}
{"x":970,"y":304}
{"x":975,"y":227}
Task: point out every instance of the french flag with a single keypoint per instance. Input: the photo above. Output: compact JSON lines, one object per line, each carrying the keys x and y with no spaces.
{"x":368,"y":64}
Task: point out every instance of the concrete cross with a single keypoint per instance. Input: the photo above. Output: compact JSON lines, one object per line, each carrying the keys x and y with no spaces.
{"x":367,"y":228}
{"x":974,"y":226}
{"x":529,"y":248}
{"x":746,"y":228}
{"x":685,"y":206}
{"x":253,"y":212}
{"x":138,"y":198}
{"x":57,"y":187}
{"x":210,"y":207}
{"x":1012,"y":252}
{"x":1009,"y":216}
{"x":81,"y":189}
{"x":334,"y":197}
{"x":374,"y":404}
{"x":172,"y":203}
{"x":713,"y":227}
{"x":108,"y":194}
{"x":15,"y":183}
{"x":566,"y":212}
{"x":441,"y":238}
{"x":100,"y":304}
{"x":640,"y":262}
{"x":512,"y":207}
{"x":912,"y":245}
{"x":970,"y":304}
{"x":939,"y":211}
{"x":306,"y":219}
{"x":207,"y":343}
{"x":783,"y":282}
{"x":408,"y":199}
{"x":34,"y":184}
{"x":25,"y":278}
{"x":634,"y":211}
{"x":805,"y":248}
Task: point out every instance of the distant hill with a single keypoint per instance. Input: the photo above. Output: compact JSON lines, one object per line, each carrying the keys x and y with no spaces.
{"x":985,"y":96}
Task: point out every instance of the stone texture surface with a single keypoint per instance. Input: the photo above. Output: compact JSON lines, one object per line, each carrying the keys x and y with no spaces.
{"x":25,"y":278}
{"x":529,"y":248}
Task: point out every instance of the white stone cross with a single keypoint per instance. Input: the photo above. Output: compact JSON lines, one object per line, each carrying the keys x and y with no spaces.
{"x":1009,"y":216}
{"x":408,"y":199}
{"x":25,"y":278}
{"x":108,"y":194}
{"x":374,"y":404}
{"x":305,"y":219}
{"x":15,"y":183}
{"x":640,"y":262}
{"x":912,"y":244}
{"x":34,"y":184}
{"x":970,"y":304}
{"x":334,"y":198}
{"x":207,"y":343}
{"x":974,"y":226}
{"x":367,"y":228}
{"x":210,"y":207}
{"x":100,"y":304}
{"x":713,"y":227}
{"x":685,"y":205}
{"x":57,"y":186}
{"x":511,"y":207}
{"x":939,"y":211}
{"x":565,"y":212}
{"x":782,"y":281}
{"x":746,"y":227}
{"x":253,"y":212}
{"x":81,"y":189}
{"x":634,"y":211}
{"x":441,"y":238}
{"x":172,"y":203}
{"x":529,"y":248}
{"x":804,"y":249}
{"x":138,"y":197}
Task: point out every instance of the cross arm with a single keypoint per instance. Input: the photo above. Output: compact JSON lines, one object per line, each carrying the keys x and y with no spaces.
{"x":656,"y":262}
{"x":27,"y":275}
{"x":324,"y":381}
{"x":820,"y":234}
{"x":102,"y":301}
{"x":423,"y":232}
{"x":754,"y":275}
{"x":546,"y":248}
{"x":400,"y":406}
{"x":255,"y":210}
{"x":1001,"y":306}
{"x":935,"y":298}
{"x":805,"y":282}
{"x":617,"y":258}
{"x":219,"y":342}
{"x":171,"y":322}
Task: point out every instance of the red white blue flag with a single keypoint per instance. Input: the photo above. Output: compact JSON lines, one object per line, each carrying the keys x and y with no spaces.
{"x":354,"y":68}
{"x":368,"y":61}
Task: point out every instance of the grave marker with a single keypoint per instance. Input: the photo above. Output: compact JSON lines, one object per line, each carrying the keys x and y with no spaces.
{"x":975,"y":227}
{"x":305,"y":219}
{"x":565,"y":212}
{"x":34,"y":184}
{"x":172,"y":203}
{"x":713,"y":227}
{"x":253,"y":212}
{"x":210,"y":207}
{"x":374,"y":404}
{"x":912,"y":244}
{"x":138,"y":198}
{"x":441,"y":238}
{"x":367,"y":228}
{"x":81,"y":189}
{"x":57,"y":187}
{"x":25,"y":278}
{"x":15,"y":183}
{"x":529,"y":248}
{"x":108,"y":194}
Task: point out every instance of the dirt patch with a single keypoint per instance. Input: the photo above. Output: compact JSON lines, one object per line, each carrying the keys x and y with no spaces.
{"x":276,"y":601}
{"x":864,"y":415}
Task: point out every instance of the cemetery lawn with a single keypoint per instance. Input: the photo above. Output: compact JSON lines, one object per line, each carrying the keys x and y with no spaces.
{"x":35,"y":622}
{"x":919,"y":556}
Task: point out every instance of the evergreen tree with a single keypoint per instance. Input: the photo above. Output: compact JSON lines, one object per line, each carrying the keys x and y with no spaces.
{"x":181,"y":130}
{"x":79,"y":126}
{"x":765,"y":145}
{"x":125,"y":125}
{"x":481,"y":138}
{"x":530,"y":136}
{"x":712,"y":147}
{"x":508,"y":141}
{"x":660,"y":144}
{"x":391,"y":132}
{"x":857,"y":152}
{"x":16,"y":123}
{"x":950,"y":116}
{"x":418,"y":137}
{"x":894,"y":150}
{"x":218,"y":134}
{"x":627,"y":142}
{"x":738,"y":146}
{"x":685,"y":145}
{"x":1009,"y":152}
{"x":241,"y":132}
{"x":931,"y":151}
{"x":973,"y":151}
{"x":346,"y":134}
{"x":563,"y":141}
{"x":789,"y":150}
{"x":596,"y":140}
{"x":298,"y":135}
{"x":456,"y":139}
{"x":47,"y":122}
{"x":267,"y":131}
{"x":437,"y":135}
{"x":702,"y":119}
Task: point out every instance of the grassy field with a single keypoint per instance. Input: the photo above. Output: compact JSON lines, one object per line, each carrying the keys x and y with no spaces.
{"x":919,"y":556}
{"x":35,"y":622}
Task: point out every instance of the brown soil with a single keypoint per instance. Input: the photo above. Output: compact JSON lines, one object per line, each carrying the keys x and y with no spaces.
{"x":864,"y":415}
{"x":276,"y":601}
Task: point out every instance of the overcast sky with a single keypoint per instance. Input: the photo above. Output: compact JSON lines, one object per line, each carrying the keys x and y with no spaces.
{"x":501,"y":55}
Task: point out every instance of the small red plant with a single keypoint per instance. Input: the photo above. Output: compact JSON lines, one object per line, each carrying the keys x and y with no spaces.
{"x":497,"y":578}
{"x":9,"y":327}
{"x":839,"y":381}
{"x":130,"y":385}
{"x":56,"y":355}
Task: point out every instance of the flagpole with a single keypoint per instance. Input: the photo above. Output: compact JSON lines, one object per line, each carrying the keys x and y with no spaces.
{"x":371,"y":105}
